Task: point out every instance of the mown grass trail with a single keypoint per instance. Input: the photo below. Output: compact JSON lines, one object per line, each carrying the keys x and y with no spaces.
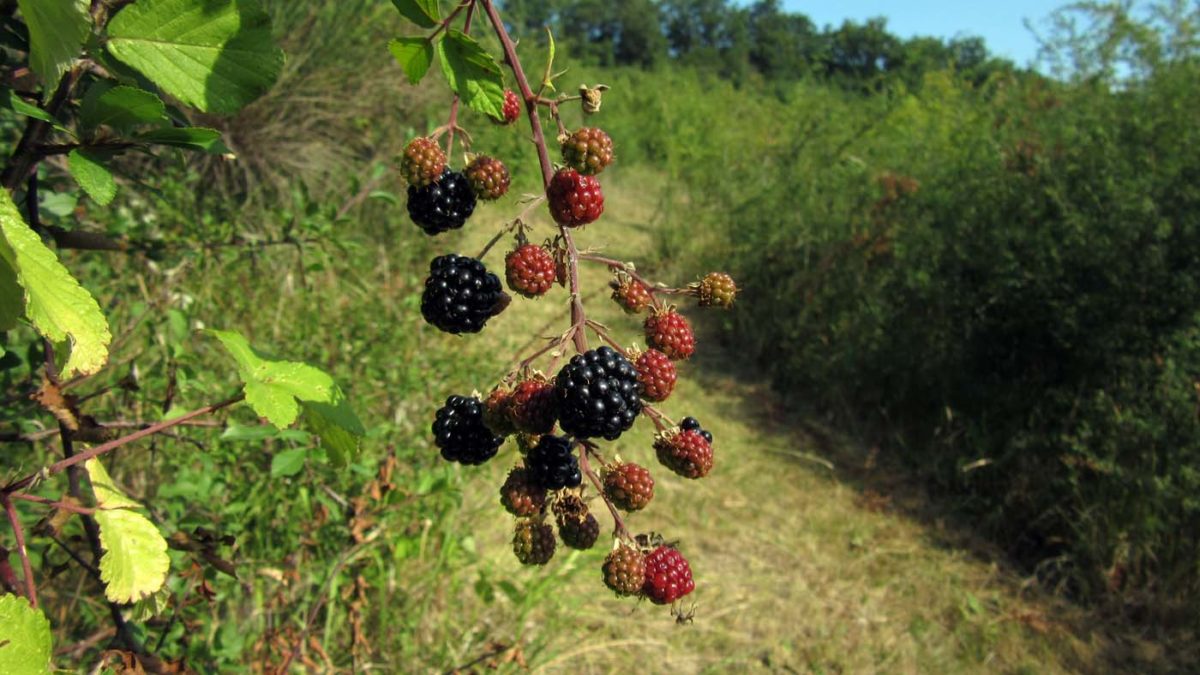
{"x":807,"y":557}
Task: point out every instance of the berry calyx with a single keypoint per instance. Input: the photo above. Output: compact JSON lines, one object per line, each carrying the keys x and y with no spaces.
{"x":668,"y":576}
{"x":459,"y":431}
{"x":685,"y":451}
{"x":628,"y":486}
{"x":630,"y":293}
{"x":625,"y":570}
{"x":444,"y":204}
{"x":656,"y":375}
{"x":716,"y":289}
{"x":670,"y":333}
{"x":488,"y":177}
{"x":461,"y":295}
{"x":589,"y":151}
{"x":577,"y":528}
{"x":597,"y":394}
{"x":520,"y":496}
{"x":530,"y":270}
{"x":575,"y":199}
{"x":533,"y":542}
{"x":423,"y":162}
{"x":511,"y":110}
{"x":552,"y":465}
{"x":532,"y":407}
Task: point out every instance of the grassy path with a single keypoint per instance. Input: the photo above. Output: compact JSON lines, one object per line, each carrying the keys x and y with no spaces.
{"x":798,"y":568}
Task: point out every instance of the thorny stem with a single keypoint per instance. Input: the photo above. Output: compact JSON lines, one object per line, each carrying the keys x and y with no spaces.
{"x":453,"y":14}
{"x":19,"y":533}
{"x":66,"y":506}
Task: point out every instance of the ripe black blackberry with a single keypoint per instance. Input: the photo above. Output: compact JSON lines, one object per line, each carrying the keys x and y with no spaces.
{"x":444,"y":204}
{"x":459,"y":431}
{"x":577,"y":528}
{"x":461,"y":295}
{"x":552,"y":465}
{"x":597,"y":394}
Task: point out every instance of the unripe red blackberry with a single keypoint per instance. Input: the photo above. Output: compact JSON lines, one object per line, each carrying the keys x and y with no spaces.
{"x":577,"y":527}
{"x":495,"y":412}
{"x":520,"y":496}
{"x":716,"y":289}
{"x":511,"y":110}
{"x":656,"y":375}
{"x":488,"y":177}
{"x":625,"y":570}
{"x":423,"y":162}
{"x":532,"y":407}
{"x":628,"y":486}
{"x":589,"y":151}
{"x":530,"y":270}
{"x":630,"y":293}
{"x":533,"y":542}
{"x":574,"y":199}
{"x":670,"y":333}
{"x":668,"y":576}
{"x":685,"y":451}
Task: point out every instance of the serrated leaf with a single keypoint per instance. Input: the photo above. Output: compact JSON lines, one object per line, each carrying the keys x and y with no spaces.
{"x":57,"y":29}
{"x":10,"y":101}
{"x":135,"y":561}
{"x":415,"y":55}
{"x":88,"y":169}
{"x":25,"y":641}
{"x":214,"y":55}
{"x":424,"y":13}
{"x":189,"y":138}
{"x":123,"y":108}
{"x":280,"y":390}
{"x":57,"y":306}
{"x":473,"y":73}
{"x":149,"y":607}
{"x":288,"y":463}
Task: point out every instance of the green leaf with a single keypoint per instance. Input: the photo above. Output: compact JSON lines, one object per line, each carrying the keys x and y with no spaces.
{"x":281,"y":390}
{"x":87,"y":167}
{"x":415,"y":55}
{"x":11,"y":306}
{"x":135,"y":561}
{"x":288,"y":463}
{"x":24,"y":638}
{"x":122,"y":108}
{"x":57,"y":29}
{"x":472,"y":73}
{"x":57,"y":306}
{"x":424,"y":13}
{"x":10,"y":101}
{"x":214,"y":55}
{"x":188,"y":138}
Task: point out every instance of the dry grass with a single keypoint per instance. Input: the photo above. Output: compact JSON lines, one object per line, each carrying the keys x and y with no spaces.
{"x":807,"y":559}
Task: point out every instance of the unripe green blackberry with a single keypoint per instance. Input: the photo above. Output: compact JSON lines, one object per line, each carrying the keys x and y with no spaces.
{"x":533,"y":542}
{"x":625,"y":570}
{"x":488,"y":177}
{"x":589,"y":151}
{"x":423,"y":162}
{"x":716,"y":289}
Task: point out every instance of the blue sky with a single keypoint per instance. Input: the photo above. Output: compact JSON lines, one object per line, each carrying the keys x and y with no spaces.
{"x":998,"y":22}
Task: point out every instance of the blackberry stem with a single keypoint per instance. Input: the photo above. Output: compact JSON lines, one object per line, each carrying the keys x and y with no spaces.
{"x":586,"y":447}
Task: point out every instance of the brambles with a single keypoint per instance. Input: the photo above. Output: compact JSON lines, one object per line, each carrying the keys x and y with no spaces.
{"x":552,"y":465}
{"x":628,"y":486}
{"x":589,"y":151}
{"x":668,"y":576}
{"x":459,"y":431}
{"x":597,"y":395}
{"x":461,"y":295}
{"x":630,"y":294}
{"x":575,"y":199}
{"x":533,"y":542}
{"x":669,"y":332}
{"x":520,"y":495}
{"x":625,"y":570}
{"x":685,"y":451}
{"x":423,"y":162}
{"x":530,"y":270}
{"x":716,"y":289}
{"x":656,"y":375}
{"x":488,"y":177}
{"x":444,"y":204}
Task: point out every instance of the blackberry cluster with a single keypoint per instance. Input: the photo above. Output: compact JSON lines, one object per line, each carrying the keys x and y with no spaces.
{"x":597,"y":394}
{"x":461,"y":295}
{"x":552,"y":465}
{"x":445,"y":204}
{"x":693,"y":424}
{"x":459,"y":431}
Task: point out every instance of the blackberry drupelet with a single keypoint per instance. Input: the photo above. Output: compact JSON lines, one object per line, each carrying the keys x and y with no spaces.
{"x":461,"y":295}
{"x":459,"y":431}
{"x":598,"y":394}
{"x":445,"y":204}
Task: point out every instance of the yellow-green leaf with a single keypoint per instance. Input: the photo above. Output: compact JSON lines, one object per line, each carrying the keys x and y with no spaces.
{"x":135,"y":562}
{"x":54,"y":302}
{"x":24,"y":638}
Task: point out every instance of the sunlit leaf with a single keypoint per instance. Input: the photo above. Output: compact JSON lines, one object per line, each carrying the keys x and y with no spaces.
{"x":25,"y":642}
{"x":135,"y":561}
